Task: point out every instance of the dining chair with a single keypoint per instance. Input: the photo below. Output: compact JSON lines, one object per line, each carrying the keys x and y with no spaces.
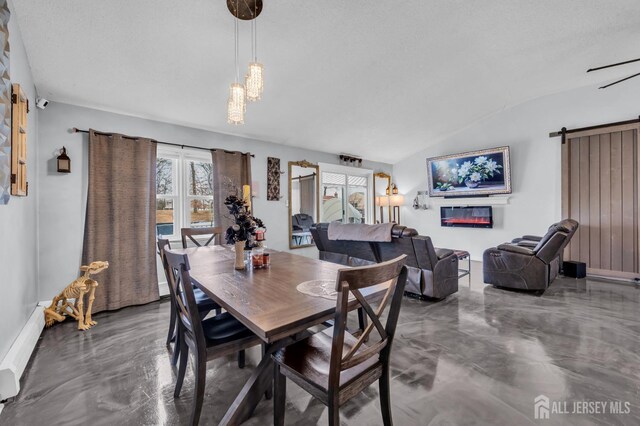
{"x":191,"y":232}
{"x":204,"y":303}
{"x":333,"y":365}
{"x":212,"y":338}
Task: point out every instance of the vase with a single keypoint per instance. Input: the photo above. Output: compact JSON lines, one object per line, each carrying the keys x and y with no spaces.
{"x":471,"y":184}
{"x":239,"y":247}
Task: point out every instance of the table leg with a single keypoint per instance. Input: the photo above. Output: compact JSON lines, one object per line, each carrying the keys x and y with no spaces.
{"x":251,"y":393}
{"x":258,"y":385}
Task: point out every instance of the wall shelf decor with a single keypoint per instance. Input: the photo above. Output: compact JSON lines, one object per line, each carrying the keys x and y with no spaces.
{"x":273,"y":179}
{"x":5,"y":106}
{"x":19,"y":110}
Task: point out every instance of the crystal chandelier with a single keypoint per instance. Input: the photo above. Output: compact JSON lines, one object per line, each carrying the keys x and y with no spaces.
{"x":236,"y":105}
{"x":254,"y":80}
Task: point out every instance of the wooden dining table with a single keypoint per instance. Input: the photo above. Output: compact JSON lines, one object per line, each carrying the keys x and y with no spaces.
{"x":267,"y":302}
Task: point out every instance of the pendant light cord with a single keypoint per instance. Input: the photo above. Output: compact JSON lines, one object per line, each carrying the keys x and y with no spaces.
{"x":236,"y":52}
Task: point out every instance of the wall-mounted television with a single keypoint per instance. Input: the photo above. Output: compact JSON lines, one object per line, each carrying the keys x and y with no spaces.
{"x":484,"y":172}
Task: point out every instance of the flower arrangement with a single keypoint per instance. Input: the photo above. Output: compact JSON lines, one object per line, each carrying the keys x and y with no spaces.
{"x":472,"y":173}
{"x":245,"y":225}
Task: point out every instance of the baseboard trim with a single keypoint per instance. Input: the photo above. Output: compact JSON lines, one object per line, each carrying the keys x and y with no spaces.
{"x":163,"y":288}
{"x":15,"y":361}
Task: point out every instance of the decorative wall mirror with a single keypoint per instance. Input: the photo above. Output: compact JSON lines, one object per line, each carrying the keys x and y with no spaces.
{"x":381,"y":192}
{"x":304,"y":209}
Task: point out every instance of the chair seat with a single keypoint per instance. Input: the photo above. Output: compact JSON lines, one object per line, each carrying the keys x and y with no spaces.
{"x":223,"y":328}
{"x":204,"y":302}
{"x":309,"y":358}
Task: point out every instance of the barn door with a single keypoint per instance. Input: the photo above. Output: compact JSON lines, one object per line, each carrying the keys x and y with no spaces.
{"x":600,"y":190}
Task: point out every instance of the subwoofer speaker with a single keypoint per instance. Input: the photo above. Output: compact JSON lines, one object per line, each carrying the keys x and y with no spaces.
{"x":574,"y":269}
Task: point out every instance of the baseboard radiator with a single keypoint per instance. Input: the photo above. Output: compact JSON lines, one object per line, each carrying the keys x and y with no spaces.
{"x":14,"y":363}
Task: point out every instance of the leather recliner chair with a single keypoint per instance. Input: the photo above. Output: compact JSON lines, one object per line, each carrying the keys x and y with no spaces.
{"x":432,"y":272}
{"x":569,"y":226}
{"x":515,"y":266}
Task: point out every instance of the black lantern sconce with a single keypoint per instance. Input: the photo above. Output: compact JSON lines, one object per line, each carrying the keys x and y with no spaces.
{"x":64,"y":162}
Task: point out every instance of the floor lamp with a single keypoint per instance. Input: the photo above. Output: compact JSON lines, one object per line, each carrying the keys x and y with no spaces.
{"x":396,"y":201}
{"x":382,"y":201}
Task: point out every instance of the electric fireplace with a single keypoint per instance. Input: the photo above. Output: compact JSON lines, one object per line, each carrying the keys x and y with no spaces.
{"x":467,"y":217}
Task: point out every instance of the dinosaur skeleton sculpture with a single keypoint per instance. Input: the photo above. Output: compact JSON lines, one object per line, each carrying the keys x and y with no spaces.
{"x":61,"y":307}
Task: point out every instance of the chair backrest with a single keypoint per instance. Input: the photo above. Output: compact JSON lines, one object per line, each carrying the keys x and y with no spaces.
{"x":164,"y":244}
{"x":401,"y":243}
{"x":303,"y":220}
{"x":184,"y":299}
{"x":426,"y":255}
{"x":191,"y":232}
{"x":552,"y":246}
{"x":351,"y":281}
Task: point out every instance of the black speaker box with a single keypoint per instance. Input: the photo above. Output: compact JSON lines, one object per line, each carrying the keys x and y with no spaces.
{"x":574,"y":269}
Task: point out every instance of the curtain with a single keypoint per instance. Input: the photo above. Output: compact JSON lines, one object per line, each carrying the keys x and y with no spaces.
{"x":232,"y":170}
{"x":120,"y":219}
{"x":308,"y":195}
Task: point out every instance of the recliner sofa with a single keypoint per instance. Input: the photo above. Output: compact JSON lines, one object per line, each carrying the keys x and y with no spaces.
{"x":521,"y":266}
{"x":432,"y":272}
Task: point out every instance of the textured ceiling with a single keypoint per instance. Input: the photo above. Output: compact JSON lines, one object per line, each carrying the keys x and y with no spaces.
{"x":381,"y":79}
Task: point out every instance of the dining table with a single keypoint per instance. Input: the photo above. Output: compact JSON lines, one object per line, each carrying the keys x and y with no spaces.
{"x":267,"y":301}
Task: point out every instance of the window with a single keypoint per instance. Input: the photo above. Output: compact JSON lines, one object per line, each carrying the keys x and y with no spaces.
{"x":184,"y":191}
{"x":345,"y":195}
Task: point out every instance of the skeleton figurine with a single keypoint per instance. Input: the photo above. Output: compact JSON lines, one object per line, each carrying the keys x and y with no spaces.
{"x":61,"y":307}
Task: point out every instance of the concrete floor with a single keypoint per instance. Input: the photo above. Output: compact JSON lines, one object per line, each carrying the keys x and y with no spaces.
{"x":479,"y":357}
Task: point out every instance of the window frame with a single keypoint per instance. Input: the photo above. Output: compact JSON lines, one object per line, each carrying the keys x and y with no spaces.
{"x":180,"y":196}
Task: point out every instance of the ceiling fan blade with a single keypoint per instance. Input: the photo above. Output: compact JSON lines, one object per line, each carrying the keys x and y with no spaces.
{"x":613,"y":65}
{"x":619,"y":81}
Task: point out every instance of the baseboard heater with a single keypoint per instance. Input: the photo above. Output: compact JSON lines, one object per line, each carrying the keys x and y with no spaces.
{"x":15,"y":361}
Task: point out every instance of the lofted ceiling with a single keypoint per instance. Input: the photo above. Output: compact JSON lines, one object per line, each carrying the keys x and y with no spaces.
{"x":381,"y":79}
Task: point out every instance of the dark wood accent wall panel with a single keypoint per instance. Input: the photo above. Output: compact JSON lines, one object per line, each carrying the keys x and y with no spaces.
{"x":600,"y":186}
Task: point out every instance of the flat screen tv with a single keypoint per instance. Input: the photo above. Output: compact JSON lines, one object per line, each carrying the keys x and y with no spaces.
{"x":484,"y":172}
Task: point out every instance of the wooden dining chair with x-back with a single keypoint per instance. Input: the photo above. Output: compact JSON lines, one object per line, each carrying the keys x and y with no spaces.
{"x":212,"y":338}
{"x":190,"y":233}
{"x":333,"y":365}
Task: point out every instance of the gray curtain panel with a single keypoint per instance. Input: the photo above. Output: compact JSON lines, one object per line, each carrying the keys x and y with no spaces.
{"x":120,"y":221}
{"x":231,"y":171}
{"x":308,"y":195}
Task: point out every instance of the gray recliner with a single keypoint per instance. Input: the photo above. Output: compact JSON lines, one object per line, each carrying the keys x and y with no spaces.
{"x":528,"y":268}
{"x":569,"y":226}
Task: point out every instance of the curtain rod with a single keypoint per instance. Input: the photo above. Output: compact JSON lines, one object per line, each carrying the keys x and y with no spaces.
{"x":564,"y":130}
{"x":76,"y":130}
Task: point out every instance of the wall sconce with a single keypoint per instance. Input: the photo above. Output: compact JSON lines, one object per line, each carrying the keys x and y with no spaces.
{"x":64,"y":162}
{"x":396,"y":201}
{"x":394,"y":189}
{"x":420,"y":202}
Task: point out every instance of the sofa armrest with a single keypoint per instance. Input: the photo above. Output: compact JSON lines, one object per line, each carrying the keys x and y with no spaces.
{"x":516,"y":249}
{"x":531,"y":238}
{"x":527,"y":243}
{"x":442,"y":253}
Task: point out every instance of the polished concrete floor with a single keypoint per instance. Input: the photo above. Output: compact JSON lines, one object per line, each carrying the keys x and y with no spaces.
{"x":479,"y":357}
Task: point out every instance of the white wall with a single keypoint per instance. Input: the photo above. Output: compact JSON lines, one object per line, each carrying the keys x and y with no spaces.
{"x":535,"y":163}
{"x":63,"y":197}
{"x":18,"y":221}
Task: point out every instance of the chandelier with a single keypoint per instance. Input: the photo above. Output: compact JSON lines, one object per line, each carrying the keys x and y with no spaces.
{"x":253,"y":86}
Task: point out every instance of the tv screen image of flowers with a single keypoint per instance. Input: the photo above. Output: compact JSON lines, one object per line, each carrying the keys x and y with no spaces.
{"x":471,"y":173}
